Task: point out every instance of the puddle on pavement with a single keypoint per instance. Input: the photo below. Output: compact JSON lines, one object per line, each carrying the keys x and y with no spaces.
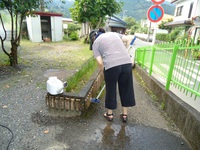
{"x":115,"y":135}
{"x":135,"y":137}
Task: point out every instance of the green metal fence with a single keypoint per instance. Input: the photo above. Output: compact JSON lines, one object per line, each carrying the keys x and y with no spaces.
{"x":178,"y":64}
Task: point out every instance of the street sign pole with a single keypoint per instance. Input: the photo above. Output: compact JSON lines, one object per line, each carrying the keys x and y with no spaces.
{"x":149,"y":29}
{"x":154,"y":34}
{"x":149,"y":32}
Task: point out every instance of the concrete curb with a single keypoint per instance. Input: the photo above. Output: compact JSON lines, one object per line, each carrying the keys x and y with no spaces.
{"x":184,"y":116}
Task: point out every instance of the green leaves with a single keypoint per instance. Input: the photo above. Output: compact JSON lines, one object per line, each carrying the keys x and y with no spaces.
{"x":91,"y":11}
{"x":20,"y":6}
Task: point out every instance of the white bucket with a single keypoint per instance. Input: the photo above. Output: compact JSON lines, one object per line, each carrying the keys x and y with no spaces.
{"x":54,"y":86}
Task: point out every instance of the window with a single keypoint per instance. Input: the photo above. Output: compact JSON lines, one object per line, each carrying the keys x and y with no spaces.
{"x":179,"y":11}
{"x":190,"y":11}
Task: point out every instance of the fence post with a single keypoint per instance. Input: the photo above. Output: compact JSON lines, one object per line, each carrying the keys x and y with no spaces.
{"x":143,"y":57}
{"x":152,"y":60}
{"x":171,"y":66}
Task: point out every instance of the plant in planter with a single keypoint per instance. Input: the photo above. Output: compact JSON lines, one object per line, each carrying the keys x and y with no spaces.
{"x":82,"y":76}
{"x":82,"y":86}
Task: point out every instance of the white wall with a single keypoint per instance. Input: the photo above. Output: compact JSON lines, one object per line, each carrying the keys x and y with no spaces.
{"x":186,"y":8}
{"x":34,"y":28}
{"x":56,"y":28}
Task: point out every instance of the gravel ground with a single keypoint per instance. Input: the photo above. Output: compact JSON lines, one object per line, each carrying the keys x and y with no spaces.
{"x":23,"y":110}
{"x":23,"y":89}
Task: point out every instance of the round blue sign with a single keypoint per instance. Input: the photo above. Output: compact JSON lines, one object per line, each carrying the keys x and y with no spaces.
{"x":155,"y":13}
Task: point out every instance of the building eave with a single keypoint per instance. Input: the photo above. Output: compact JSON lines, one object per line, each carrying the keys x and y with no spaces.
{"x":180,"y":23}
{"x":47,"y":13}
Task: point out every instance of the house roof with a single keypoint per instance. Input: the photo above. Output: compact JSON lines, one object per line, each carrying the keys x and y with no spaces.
{"x":116,"y":19}
{"x":67,"y":20}
{"x":116,"y":22}
{"x":47,"y":13}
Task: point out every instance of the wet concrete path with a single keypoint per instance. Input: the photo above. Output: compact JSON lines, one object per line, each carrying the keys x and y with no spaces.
{"x":148,"y":128}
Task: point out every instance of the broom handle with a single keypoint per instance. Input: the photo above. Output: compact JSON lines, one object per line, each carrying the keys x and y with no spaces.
{"x":101,"y":91}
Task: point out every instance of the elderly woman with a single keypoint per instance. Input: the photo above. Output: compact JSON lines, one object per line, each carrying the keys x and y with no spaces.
{"x":114,"y":59}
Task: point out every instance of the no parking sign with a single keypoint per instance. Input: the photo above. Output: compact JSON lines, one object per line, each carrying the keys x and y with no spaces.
{"x":155,"y":13}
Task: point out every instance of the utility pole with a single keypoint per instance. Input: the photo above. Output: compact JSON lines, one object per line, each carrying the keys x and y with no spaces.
{"x":124,"y":12}
{"x":42,"y":5}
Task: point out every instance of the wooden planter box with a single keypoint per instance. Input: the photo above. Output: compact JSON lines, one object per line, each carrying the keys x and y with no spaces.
{"x":76,"y":101}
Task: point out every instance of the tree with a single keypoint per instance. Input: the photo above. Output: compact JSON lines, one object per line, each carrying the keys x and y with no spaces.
{"x":94,"y":12}
{"x":130,"y":22}
{"x":162,"y":25}
{"x":132,"y":25}
{"x":18,"y":10}
{"x":71,"y":31}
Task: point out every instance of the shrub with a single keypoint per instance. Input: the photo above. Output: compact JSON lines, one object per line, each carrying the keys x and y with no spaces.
{"x":132,"y":31}
{"x":174,"y":34}
{"x":73,"y":36}
{"x":66,"y":38}
{"x":161,"y":37}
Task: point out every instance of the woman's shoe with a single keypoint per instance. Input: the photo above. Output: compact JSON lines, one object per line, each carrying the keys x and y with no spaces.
{"x":124,"y":117}
{"x":109,"y":117}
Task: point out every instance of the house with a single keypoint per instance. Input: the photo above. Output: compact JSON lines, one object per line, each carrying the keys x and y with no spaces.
{"x":65,"y":22}
{"x":187,"y":14}
{"x":114,"y":24}
{"x":44,"y":26}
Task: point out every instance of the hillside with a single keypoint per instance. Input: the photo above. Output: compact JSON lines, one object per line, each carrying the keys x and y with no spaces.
{"x":138,"y":8}
{"x":132,"y":8}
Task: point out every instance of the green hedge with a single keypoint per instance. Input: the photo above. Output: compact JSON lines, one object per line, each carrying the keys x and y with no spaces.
{"x":175,"y":34}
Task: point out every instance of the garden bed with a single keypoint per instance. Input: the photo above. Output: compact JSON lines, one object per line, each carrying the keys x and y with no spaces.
{"x":80,"y":101}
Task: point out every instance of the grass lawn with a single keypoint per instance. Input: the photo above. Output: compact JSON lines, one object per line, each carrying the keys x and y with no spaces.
{"x":65,"y":55}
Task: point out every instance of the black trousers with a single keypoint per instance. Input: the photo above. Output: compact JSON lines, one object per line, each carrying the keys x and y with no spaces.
{"x":123,"y":76}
